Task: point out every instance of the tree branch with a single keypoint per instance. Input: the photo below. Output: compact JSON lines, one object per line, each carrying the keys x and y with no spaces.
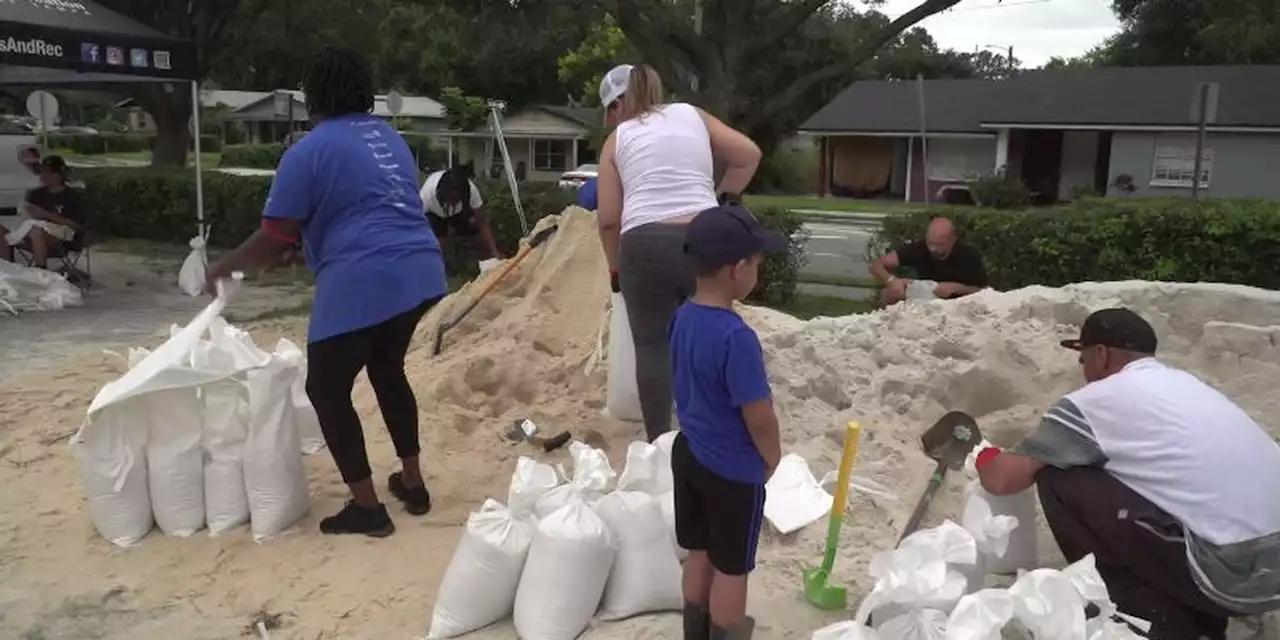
{"x":782,"y":22}
{"x":636,"y":19}
{"x":865,"y":50}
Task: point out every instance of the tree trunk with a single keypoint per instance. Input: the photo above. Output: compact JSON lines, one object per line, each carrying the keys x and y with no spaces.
{"x":171,"y":112}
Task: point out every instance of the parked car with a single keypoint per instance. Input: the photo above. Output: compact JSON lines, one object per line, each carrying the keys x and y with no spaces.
{"x":75,"y":131}
{"x":574,"y":179}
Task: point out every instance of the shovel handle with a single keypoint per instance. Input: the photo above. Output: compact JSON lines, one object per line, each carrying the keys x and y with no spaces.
{"x":838,"y":506}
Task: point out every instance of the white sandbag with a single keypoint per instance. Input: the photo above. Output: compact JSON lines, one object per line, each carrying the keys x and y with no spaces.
{"x":918,"y":624}
{"x":191,"y":277}
{"x":303,"y":413}
{"x":665,"y":442}
{"x":981,"y":615}
{"x":794,"y":499}
{"x":113,"y":466}
{"x":919,"y":574}
{"x":990,"y":532}
{"x":646,"y":574}
{"x":29,"y":289}
{"x":111,"y":444}
{"x":667,"y":502}
{"x":921,"y":290}
{"x":648,"y":470}
{"x":622,"y":399}
{"x":1020,"y":550}
{"x":845,"y":630}
{"x":226,"y":406}
{"x":479,"y":587}
{"x":591,"y":475}
{"x":175,"y":460}
{"x":1047,"y":604}
{"x":531,"y":480}
{"x":564,"y":578}
{"x":274,"y":476}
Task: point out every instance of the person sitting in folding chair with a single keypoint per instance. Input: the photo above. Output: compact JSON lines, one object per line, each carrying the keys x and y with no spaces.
{"x":55,"y":219}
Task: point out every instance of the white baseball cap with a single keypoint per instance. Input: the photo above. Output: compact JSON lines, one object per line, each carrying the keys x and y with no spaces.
{"x":614,"y":84}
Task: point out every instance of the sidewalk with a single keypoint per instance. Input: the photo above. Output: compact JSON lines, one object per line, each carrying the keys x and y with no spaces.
{"x":857,"y":218}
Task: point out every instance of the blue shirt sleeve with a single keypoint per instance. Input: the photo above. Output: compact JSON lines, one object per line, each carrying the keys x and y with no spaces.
{"x":291,"y":189}
{"x":744,"y":371}
{"x":587,"y":198}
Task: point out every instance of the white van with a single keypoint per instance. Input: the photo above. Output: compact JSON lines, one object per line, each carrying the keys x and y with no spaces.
{"x":16,"y":178}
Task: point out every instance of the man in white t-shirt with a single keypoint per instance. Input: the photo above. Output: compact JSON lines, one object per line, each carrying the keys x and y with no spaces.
{"x":453,"y":204}
{"x":1172,"y":487}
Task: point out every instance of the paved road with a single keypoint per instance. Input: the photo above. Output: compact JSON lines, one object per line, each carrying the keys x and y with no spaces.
{"x":838,"y":249}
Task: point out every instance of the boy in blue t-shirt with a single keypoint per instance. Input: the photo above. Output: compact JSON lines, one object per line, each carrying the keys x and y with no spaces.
{"x":728,"y":444}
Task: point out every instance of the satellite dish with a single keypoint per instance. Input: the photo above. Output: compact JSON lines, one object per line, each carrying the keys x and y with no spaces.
{"x":42,"y":105}
{"x":395,"y":102}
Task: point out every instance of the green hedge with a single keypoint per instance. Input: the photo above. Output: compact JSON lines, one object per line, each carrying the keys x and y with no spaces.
{"x":267,"y":156}
{"x":160,"y":204}
{"x":101,"y":143}
{"x":1099,"y":239}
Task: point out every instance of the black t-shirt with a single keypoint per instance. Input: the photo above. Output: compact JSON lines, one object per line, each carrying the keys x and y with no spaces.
{"x":963,"y":265}
{"x":65,"y":203}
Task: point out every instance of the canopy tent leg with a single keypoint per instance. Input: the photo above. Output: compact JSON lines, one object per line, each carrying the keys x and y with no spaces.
{"x":195,"y":136}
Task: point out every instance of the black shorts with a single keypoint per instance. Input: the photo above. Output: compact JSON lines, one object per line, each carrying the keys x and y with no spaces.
{"x":714,"y":514}
{"x":460,"y":224}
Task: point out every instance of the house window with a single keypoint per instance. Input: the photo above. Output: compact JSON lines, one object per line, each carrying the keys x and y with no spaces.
{"x":551,"y":155}
{"x":1175,"y":162}
{"x":960,"y":159}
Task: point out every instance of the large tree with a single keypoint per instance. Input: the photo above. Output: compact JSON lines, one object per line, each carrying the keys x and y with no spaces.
{"x":211,"y":25}
{"x":712,"y":57}
{"x":1195,"y":32}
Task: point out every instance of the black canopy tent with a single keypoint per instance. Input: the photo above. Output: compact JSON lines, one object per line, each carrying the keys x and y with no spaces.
{"x":81,"y":43}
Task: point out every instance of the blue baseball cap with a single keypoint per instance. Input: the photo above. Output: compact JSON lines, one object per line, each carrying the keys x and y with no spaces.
{"x":727,"y":234}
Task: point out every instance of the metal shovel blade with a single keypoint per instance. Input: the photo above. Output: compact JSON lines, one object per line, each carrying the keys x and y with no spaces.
{"x":951,"y":438}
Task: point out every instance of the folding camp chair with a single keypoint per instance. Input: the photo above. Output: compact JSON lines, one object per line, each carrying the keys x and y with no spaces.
{"x":69,"y":252}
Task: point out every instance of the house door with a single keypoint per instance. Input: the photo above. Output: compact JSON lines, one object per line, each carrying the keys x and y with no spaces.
{"x":1042,"y":164}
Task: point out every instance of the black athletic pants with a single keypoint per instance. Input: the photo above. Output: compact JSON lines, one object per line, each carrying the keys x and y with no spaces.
{"x":332,"y":366}
{"x":1140,"y":551}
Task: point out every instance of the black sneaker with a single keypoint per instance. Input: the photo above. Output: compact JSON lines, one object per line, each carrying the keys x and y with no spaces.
{"x":417,"y":501}
{"x":373,"y":522}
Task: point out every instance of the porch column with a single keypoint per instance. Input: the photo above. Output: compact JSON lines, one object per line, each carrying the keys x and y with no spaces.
{"x":1002,"y":151}
{"x":573,"y":154}
{"x":824,"y":166}
{"x":911,"y":161}
{"x":450,"y":164}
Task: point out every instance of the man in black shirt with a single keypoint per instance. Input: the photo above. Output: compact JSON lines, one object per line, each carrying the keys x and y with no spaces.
{"x":56,"y":209}
{"x":941,"y":257}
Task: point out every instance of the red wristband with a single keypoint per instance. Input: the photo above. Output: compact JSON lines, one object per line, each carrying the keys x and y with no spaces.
{"x":273,"y":229}
{"x":985,"y":457}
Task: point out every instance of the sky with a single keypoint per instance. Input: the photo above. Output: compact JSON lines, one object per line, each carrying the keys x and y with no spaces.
{"x":1036,"y":29}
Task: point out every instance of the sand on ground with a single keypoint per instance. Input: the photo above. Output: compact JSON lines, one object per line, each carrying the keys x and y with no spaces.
{"x":532,"y":350}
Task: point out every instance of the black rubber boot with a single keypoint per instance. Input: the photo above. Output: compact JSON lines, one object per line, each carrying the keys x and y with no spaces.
{"x":697,"y":622}
{"x":740,"y":631}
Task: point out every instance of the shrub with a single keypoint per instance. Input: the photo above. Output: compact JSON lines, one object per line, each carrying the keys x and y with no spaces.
{"x":1000,"y":192}
{"x":425,"y":151}
{"x":160,"y":204}
{"x":101,"y":143}
{"x":1102,"y":239}
{"x":252,"y":156}
{"x":788,"y":172}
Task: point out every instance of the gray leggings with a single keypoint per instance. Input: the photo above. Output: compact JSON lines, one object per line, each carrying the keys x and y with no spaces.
{"x":655,"y":281}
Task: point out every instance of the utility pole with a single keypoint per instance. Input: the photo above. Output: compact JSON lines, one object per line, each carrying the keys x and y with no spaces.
{"x":1011,"y":68}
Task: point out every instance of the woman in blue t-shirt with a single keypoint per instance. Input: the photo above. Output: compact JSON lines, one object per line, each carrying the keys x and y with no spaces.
{"x":349,"y":190}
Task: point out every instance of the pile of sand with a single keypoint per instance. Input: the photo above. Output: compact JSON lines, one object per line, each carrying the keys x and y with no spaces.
{"x":532,"y":349}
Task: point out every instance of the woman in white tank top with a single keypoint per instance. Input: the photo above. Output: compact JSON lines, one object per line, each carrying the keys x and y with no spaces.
{"x":656,"y":174}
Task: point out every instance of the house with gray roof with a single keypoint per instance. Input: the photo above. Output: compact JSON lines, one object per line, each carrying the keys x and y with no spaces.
{"x":543,"y":142}
{"x":1062,"y":132}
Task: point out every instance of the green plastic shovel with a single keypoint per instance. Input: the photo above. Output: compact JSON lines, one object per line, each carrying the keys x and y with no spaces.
{"x":816,"y":590}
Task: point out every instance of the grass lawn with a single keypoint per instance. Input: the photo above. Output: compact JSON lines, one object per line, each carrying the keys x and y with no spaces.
{"x":207,"y":160}
{"x":838,"y":280}
{"x":837,"y":205}
{"x":806,"y":306}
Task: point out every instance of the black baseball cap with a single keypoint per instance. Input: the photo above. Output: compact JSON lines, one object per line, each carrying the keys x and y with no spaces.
{"x":1118,"y":328}
{"x":55,"y":164}
{"x":727,"y":234}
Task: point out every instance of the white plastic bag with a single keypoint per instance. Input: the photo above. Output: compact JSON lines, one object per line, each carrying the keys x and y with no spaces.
{"x":274,"y":476}
{"x":846,"y":630}
{"x":591,"y":476}
{"x":990,"y":532}
{"x":917,"y":624}
{"x":28,"y":289}
{"x":479,"y":587}
{"x":667,"y":502}
{"x":794,"y":498}
{"x":191,"y":277}
{"x":921,"y":290}
{"x":1048,"y":605}
{"x":531,"y":480}
{"x":175,"y":460}
{"x":1019,"y":549}
{"x":646,"y":574}
{"x":648,"y":470}
{"x":304,"y":414}
{"x":226,"y":406}
{"x":564,"y":578}
{"x":622,"y":398}
{"x":981,"y":615}
{"x":920,"y":573}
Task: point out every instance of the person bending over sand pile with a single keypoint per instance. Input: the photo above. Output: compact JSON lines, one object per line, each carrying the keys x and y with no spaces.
{"x":1172,"y":487}
{"x":941,"y":257}
{"x":349,"y":189}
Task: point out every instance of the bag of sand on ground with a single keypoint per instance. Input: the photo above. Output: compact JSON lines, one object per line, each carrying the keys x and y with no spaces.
{"x":646,"y":574}
{"x":479,"y":587}
{"x":564,"y":579}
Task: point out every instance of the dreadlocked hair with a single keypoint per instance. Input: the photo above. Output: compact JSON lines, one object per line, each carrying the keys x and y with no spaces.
{"x":337,"y":83}
{"x":455,"y":183}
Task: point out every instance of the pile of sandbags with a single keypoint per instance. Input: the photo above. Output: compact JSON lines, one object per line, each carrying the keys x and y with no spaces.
{"x":566,"y":551}
{"x":204,"y":431}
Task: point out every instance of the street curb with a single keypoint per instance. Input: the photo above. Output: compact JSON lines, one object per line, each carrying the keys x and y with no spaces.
{"x":851,"y":219}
